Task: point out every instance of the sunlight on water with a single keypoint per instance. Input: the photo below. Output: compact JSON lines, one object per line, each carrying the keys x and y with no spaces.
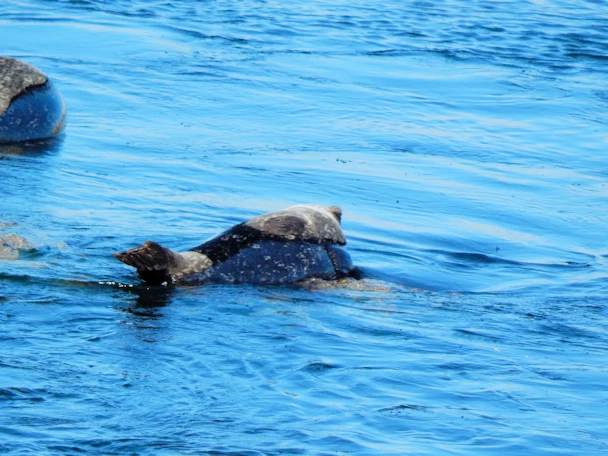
{"x":463,"y":142}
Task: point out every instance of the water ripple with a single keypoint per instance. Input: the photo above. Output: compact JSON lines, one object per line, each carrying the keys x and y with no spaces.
{"x":461,"y":141}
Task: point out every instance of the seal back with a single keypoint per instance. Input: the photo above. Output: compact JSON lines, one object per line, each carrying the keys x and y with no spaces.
{"x":15,"y":78}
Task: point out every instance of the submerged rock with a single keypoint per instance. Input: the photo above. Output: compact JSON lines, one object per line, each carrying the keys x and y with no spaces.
{"x":10,"y":244}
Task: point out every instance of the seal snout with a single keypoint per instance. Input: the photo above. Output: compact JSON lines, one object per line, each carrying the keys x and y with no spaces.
{"x":148,"y":257}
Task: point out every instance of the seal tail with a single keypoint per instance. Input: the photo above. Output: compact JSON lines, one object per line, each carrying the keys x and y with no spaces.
{"x":341,"y":261}
{"x":151,"y":261}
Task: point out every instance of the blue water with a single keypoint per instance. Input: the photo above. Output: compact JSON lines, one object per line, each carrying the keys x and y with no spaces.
{"x":466,"y":144}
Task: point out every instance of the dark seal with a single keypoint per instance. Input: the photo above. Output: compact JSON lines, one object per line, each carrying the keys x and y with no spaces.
{"x":289,"y":246}
{"x":31,"y":107}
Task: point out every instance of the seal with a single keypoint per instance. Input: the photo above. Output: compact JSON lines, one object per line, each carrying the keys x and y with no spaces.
{"x":289,"y":246}
{"x":31,"y":107}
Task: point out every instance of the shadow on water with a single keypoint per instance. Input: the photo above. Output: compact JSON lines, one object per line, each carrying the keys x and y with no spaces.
{"x":39,"y":147}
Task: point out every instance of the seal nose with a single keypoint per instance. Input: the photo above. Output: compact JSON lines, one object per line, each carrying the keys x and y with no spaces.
{"x":336,"y":211}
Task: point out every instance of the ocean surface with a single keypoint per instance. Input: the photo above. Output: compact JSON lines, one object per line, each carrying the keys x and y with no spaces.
{"x":466,"y":143}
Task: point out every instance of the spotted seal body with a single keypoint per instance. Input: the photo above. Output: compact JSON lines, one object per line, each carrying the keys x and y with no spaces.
{"x":31,"y":107}
{"x":288,"y":246}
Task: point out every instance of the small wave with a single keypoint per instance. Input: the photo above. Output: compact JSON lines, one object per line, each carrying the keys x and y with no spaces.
{"x":397,"y":409}
{"x":318,"y":367}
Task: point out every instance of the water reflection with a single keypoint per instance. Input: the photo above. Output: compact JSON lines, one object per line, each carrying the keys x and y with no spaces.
{"x":33,"y":148}
{"x":146,"y":300}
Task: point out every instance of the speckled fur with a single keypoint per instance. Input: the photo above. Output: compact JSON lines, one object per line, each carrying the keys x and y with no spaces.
{"x":15,"y":78}
{"x":287,"y":246}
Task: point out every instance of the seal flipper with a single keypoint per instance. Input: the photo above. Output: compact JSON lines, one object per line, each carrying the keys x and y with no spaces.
{"x":151,"y":260}
{"x":341,"y":261}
